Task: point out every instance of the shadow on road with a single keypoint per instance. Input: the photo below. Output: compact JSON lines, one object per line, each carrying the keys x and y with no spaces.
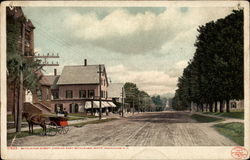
{"x":163,"y":117}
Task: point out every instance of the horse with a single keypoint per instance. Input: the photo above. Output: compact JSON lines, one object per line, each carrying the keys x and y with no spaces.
{"x":35,"y":119}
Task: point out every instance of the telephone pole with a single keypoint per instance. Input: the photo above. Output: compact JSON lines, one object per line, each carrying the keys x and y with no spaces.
{"x":20,"y":104}
{"x":45,"y":57}
{"x":133,"y":106}
{"x":100,"y":91}
{"x":138,"y":103}
{"x":122,"y":100}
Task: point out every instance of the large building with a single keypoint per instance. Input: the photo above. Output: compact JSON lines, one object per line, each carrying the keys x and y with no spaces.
{"x":77,"y":89}
{"x":16,"y":17}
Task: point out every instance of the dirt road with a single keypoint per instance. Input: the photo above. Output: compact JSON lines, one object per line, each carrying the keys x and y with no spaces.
{"x":145,"y":129}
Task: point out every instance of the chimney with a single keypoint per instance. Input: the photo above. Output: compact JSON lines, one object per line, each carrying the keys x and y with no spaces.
{"x":85,"y":62}
{"x":55,"y":72}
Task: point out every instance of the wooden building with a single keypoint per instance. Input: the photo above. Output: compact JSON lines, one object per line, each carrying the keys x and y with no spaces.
{"x":16,"y":17}
{"x":77,"y":89}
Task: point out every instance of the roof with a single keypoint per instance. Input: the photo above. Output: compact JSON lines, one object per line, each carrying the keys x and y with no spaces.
{"x":52,"y":80}
{"x":80,"y":74}
{"x":44,"y":81}
{"x":115,"y":90}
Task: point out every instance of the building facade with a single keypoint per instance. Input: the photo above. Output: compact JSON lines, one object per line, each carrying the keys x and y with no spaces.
{"x":15,"y":17}
{"x":77,"y":89}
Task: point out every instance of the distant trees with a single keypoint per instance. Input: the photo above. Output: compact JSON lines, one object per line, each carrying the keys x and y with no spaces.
{"x":159,"y":102}
{"x":215,"y":74}
{"x":137,"y":99}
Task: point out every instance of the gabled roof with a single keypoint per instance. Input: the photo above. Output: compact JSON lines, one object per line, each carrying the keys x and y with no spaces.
{"x":80,"y":74}
{"x":115,"y":90}
{"x":52,"y":80}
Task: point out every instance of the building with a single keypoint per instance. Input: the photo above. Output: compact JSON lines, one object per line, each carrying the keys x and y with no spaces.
{"x":77,"y":89}
{"x":16,"y":17}
{"x":40,"y":100}
{"x":115,"y":92}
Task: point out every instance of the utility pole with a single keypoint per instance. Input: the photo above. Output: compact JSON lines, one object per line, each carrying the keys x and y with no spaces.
{"x":122,"y":100}
{"x":133,"y":106}
{"x":20,"y":98}
{"x":100,"y":91}
{"x":138,"y":103}
{"x":45,"y":57}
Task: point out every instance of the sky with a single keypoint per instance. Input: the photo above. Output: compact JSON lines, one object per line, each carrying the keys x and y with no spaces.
{"x":149,"y":46}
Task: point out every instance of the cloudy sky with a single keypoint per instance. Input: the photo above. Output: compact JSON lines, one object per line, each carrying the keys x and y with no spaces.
{"x":143,"y":45}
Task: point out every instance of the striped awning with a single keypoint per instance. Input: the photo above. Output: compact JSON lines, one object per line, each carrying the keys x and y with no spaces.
{"x":96,"y":104}
{"x":87,"y":105}
{"x":111,"y":104}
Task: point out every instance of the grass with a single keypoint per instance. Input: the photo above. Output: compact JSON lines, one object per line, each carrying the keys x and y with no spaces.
{"x":205,"y":119}
{"x":93,"y":122}
{"x":39,"y":132}
{"x":234,"y":131}
{"x":238,"y":115}
{"x":82,"y":115}
{"x":10,"y":136}
{"x":10,"y":118}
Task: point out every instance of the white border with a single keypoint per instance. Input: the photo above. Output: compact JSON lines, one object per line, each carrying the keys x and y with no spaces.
{"x":210,"y":152}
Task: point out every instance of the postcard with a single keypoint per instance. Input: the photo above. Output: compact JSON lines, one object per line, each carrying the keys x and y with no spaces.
{"x":125,"y":80}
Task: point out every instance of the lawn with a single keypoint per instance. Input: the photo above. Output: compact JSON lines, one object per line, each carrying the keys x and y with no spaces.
{"x":39,"y":132}
{"x":234,"y":131}
{"x":238,"y":115}
{"x":205,"y":119}
{"x":10,"y":136}
{"x":82,"y":115}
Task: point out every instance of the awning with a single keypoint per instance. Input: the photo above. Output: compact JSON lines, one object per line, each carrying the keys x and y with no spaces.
{"x":96,"y":104}
{"x":111,"y":104}
{"x":87,"y":105}
{"x":106,"y":104}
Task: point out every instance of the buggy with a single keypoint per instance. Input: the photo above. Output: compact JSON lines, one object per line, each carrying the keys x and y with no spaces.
{"x":57,"y":125}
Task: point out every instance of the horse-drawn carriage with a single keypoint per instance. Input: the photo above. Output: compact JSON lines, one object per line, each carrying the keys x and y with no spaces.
{"x":57,"y":125}
{"x":51,"y":125}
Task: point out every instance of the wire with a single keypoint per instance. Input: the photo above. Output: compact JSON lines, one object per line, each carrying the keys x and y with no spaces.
{"x":56,"y":39}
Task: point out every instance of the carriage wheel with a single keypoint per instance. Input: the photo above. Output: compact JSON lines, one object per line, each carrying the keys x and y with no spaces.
{"x":65,"y":129}
{"x":52,"y":129}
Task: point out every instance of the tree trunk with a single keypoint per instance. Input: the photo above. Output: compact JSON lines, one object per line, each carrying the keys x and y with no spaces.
{"x":221,"y":106}
{"x":227,"y":106}
{"x":202,"y":109}
{"x":17,"y":107}
{"x":210,"y":107}
{"x":14,"y":109}
{"x":215,"y":107}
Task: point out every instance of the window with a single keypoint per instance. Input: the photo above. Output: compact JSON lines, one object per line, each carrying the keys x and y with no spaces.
{"x":103,"y":94}
{"x":55,"y":95}
{"x":69,"y":94}
{"x":39,"y":94}
{"x":82,"y":94}
{"x":106,"y":94}
{"x":91,"y":93}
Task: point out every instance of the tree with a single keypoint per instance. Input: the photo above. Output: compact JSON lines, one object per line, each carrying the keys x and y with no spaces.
{"x":17,"y":63}
{"x":216,"y":71}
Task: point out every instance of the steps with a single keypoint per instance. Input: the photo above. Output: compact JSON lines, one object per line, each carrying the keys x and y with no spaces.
{"x":38,"y":108}
{"x":43,"y":107}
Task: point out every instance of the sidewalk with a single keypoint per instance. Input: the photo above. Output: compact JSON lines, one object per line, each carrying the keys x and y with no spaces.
{"x":13,"y":130}
{"x":226,"y":119}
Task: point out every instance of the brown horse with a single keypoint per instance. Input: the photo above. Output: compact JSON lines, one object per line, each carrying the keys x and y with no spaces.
{"x":35,"y":119}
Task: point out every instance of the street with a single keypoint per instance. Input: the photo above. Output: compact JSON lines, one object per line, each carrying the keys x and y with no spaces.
{"x":145,"y":129}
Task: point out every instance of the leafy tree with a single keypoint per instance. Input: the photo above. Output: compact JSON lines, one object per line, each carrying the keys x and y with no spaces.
{"x":216,"y":71}
{"x":17,"y":63}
